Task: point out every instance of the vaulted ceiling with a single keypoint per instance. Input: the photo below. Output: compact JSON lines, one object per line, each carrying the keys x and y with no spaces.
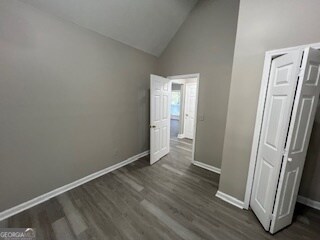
{"x":148,"y":25}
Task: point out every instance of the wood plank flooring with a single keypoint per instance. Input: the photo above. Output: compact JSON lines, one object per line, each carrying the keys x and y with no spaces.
{"x":171,"y":199}
{"x":174,"y":128}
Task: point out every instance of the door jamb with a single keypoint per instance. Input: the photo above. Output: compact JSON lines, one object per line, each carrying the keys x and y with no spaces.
{"x":187,"y":76}
{"x":269,"y":56}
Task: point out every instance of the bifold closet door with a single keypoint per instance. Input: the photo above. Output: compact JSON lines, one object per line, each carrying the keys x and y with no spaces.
{"x":303,"y":114}
{"x":281,"y":91}
{"x":160,"y":90}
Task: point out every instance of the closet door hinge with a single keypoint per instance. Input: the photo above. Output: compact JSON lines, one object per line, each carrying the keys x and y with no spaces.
{"x":301,"y":70}
{"x":271,"y":217}
{"x":284,"y":152}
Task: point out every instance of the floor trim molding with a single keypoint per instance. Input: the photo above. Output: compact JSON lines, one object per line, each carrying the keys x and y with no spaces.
{"x":174,"y":117}
{"x":42,"y":198}
{"x":309,"y":202}
{"x":206,"y":166}
{"x":229,"y":199}
{"x":180,"y":136}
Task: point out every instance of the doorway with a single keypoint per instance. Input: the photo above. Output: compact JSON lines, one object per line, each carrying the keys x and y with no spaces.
{"x":183,"y":113}
{"x":176,"y":109}
{"x":178,"y":94}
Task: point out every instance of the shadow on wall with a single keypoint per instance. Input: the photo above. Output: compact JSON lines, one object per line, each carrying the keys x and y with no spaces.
{"x":310,"y":186}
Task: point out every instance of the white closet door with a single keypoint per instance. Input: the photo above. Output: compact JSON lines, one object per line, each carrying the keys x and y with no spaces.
{"x":190,"y":110}
{"x":160,"y":90}
{"x":278,"y":107}
{"x":302,"y":119}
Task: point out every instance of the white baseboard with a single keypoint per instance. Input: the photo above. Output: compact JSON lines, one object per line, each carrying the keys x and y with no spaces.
{"x":180,"y":136}
{"x":206,"y":166}
{"x":42,"y":198}
{"x":174,"y":117}
{"x":309,"y":202}
{"x":229,"y":199}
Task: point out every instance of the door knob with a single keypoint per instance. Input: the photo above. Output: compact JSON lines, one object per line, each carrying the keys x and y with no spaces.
{"x":289,"y":159}
{"x":152,"y":126}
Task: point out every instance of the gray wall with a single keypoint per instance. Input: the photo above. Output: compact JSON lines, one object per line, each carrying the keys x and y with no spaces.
{"x":204,"y":44}
{"x":176,"y":87}
{"x":72,"y":102}
{"x":262,"y":25}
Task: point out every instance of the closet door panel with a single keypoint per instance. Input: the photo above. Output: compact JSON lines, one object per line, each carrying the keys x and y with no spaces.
{"x":302,"y":119}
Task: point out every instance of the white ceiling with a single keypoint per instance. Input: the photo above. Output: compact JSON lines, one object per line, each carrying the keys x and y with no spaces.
{"x":148,"y":25}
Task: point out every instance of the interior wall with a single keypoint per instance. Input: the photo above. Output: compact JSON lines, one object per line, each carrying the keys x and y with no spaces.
{"x":176,"y":87}
{"x":204,"y":44}
{"x":263,"y":26}
{"x":72,"y":102}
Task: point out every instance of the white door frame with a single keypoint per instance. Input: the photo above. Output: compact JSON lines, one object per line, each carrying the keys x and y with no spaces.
{"x":269,"y":56}
{"x":197,"y":77}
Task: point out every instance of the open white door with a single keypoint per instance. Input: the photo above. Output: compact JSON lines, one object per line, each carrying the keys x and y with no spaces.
{"x":280,"y":96}
{"x":190,"y":109}
{"x":160,"y":90}
{"x":302,"y":119}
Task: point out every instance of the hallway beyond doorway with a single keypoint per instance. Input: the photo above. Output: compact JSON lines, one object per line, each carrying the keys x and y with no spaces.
{"x":182,"y":146}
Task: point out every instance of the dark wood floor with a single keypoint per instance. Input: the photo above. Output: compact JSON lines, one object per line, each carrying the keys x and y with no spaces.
{"x":174,"y":128}
{"x":171,"y":199}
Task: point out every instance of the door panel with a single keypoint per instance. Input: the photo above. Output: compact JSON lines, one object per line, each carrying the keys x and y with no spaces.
{"x":160,"y":89}
{"x":281,"y":89}
{"x":265,"y":173}
{"x":289,"y":183}
{"x":302,"y":119}
{"x":190,"y":107}
{"x":274,"y":121}
{"x":299,"y":137}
